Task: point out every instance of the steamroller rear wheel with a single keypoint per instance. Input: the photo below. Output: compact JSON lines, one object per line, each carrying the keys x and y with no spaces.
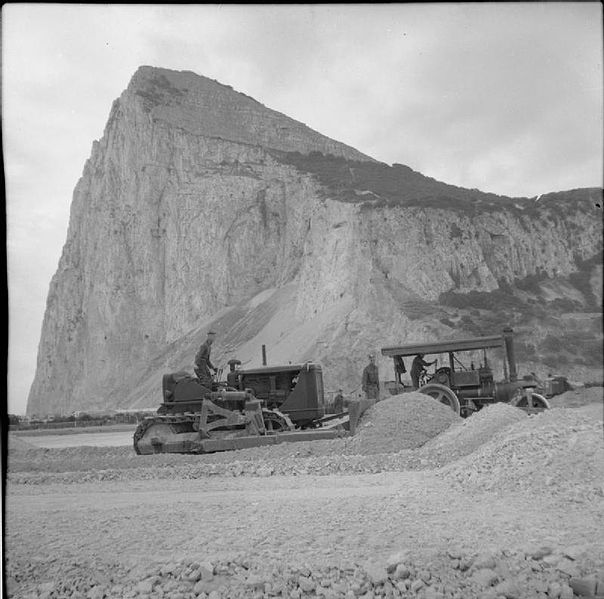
{"x":276,"y":422}
{"x":442,"y":394}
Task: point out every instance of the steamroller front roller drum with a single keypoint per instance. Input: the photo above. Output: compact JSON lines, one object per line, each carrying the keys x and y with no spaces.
{"x":442,"y":394}
{"x":527,"y":399}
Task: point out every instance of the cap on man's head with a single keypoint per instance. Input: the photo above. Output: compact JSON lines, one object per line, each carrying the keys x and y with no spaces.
{"x":371,"y":356}
{"x":211,"y":333}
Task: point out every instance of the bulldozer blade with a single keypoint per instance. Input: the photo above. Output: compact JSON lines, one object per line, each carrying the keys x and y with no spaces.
{"x":229,"y":444}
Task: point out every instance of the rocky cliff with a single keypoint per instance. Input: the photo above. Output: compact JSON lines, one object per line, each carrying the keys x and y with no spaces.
{"x":201,"y":207}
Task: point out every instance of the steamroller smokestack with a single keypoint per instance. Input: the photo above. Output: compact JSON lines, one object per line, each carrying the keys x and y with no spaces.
{"x":508,"y":337}
{"x":264,"y":355}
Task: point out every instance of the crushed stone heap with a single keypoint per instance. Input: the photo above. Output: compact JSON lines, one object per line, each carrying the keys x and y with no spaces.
{"x":578,"y":397}
{"x":557,"y":451}
{"x":466,"y":436}
{"x":404,"y":421}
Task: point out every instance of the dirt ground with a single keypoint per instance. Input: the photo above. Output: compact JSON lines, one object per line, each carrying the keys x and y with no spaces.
{"x":420,"y":503}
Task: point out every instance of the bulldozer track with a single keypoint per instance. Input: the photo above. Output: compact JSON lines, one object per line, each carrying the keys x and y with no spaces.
{"x":173,"y":420}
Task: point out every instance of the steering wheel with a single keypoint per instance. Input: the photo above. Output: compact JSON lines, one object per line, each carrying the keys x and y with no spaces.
{"x":442,"y":376}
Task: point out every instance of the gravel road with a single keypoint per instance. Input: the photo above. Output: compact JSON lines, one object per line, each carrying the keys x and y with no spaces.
{"x":497,"y":505}
{"x":100,"y":439}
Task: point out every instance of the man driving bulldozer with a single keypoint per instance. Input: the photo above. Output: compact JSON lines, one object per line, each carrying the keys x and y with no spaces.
{"x":203,"y":363}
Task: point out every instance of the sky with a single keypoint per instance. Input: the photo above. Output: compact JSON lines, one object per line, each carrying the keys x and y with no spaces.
{"x":503,"y":97}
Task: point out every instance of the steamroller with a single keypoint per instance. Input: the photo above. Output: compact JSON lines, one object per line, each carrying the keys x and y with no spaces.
{"x":464,"y":386}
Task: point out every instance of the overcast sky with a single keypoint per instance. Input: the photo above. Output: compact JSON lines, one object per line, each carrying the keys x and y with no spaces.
{"x":506,"y":98}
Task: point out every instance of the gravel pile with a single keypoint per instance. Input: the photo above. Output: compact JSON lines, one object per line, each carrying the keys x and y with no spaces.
{"x":404,"y":421}
{"x":578,"y":397}
{"x":466,"y":436}
{"x":456,"y":573}
{"x":558,"y":449}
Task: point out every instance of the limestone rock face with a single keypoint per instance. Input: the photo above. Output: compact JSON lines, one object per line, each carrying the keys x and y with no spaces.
{"x":193,"y":211}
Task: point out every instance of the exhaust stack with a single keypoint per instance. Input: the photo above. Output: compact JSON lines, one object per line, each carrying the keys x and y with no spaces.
{"x":508,"y":337}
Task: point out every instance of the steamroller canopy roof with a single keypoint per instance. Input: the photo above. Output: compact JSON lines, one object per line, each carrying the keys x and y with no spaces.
{"x":445,"y":346}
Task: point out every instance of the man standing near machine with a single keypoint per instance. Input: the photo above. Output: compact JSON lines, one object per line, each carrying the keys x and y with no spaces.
{"x":371,"y":380}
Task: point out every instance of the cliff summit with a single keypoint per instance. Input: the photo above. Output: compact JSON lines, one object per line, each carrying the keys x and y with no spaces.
{"x":204,"y":107}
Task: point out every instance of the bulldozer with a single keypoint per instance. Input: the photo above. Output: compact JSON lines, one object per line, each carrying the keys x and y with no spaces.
{"x":464,"y":387}
{"x":261,"y":406}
